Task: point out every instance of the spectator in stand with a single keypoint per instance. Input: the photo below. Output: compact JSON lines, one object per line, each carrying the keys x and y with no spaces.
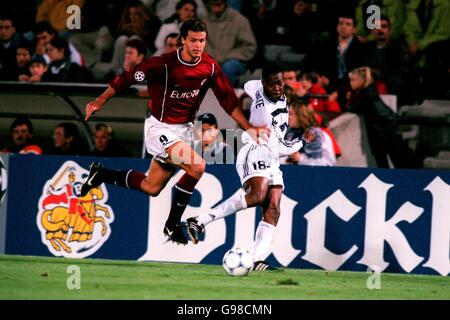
{"x":140,"y":22}
{"x":10,"y":40}
{"x":320,"y":152}
{"x":170,"y":43}
{"x":380,"y":122}
{"x":209,"y":143}
{"x":137,"y":22}
{"x":43,"y":34}
{"x":427,"y":31}
{"x":67,"y":140}
{"x":390,"y":59}
{"x":230,"y":38}
{"x":135,"y":51}
{"x":23,"y":59}
{"x":134,"y":54}
{"x":61,"y":69}
{"x":55,"y":12}
{"x":165,"y":9}
{"x":393,"y":10}
{"x":317,"y":95}
{"x":339,"y":55}
{"x":185,"y":9}
{"x":22,"y":138}
{"x":105,"y":143}
{"x":290,"y":77}
{"x":37,"y":69}
{"x":24,"y":13}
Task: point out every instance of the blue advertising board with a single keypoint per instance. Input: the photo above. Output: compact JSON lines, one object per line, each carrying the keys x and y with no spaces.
{"x":332,"y":218}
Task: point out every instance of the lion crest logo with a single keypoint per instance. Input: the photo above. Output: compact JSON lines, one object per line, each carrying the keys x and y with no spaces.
{"x":73,"y":226}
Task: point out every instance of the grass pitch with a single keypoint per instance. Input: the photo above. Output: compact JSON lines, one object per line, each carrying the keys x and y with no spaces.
{"x":46,"y":278}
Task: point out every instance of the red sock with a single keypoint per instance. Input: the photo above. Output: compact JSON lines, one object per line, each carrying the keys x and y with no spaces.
{"x":187,"y":182}
{"x":134,"y":179}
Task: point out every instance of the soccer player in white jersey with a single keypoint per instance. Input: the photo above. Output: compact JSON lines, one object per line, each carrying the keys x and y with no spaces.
{"x":258,"y":164}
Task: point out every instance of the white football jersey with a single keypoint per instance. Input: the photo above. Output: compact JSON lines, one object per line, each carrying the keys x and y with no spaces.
{"x":271,"y":114}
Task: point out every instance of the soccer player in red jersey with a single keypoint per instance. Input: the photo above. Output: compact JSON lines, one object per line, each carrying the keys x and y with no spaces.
{"x":177,"y":83}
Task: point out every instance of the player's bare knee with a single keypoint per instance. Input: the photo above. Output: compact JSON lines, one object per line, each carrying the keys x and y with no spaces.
{"x":150,"y":189}
{"x":255,"y":198}
{"x":196,"y":170}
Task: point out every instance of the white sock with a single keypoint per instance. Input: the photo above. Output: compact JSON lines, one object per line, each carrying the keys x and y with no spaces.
{"x":263,"y":241}
{"x":234,"y":203}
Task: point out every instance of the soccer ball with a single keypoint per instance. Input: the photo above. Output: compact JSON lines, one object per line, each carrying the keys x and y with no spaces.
{"x":238,"y":262}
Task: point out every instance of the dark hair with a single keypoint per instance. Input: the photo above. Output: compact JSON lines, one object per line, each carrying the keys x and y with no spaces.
{"x":193,"y":24}
{"x":170,"y":35}
{"x":22,"y":120}
{"x":24,"y":45}
{"x":347,"y":16}
{"x":60,"y":43}
{"x":290,"y":67}
{"x":43,"y":26}
{"x":208,"y":118}
{"x":70,"y":130}
{"x":384,"y":17}
{"x":10,"y":18}
{"x":182,"y":3}
{"x":147,"y":15}
{"x":270,"y":70}
{"x":137,"y":44}
{"x":311,"y":76}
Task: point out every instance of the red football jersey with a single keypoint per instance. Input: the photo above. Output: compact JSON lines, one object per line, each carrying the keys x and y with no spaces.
{"x":177,"y":88}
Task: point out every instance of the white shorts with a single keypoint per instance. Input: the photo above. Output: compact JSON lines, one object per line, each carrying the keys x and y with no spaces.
{"x":255,"y":160}
{"x":159,"y":136}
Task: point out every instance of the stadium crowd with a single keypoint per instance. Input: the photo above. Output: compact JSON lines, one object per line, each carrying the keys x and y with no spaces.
{"x":336,"y":58}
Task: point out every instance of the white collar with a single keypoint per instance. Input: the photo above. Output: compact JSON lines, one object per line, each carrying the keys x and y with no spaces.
{"x":187,"y":63}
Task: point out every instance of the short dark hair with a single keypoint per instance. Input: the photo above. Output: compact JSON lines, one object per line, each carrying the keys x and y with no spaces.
{"x":171,"y":35}
{"x":70,"y":130}
{"x":193,"y":24}
{"x":347,"y":16}
{"x":208,"y":118}
{"x":43,"y":26}
{"x":384,"y":17}
{"x":24,"y":45}
{"x":10,"y":18}
{"x":137,"y":44}
{"x":22,"y":120}
{"x":180,"y":4}
{"x":311,"y":76}
{"x":60,"y":43}
{"x":270,"y":70}
{"x":290,"y":67}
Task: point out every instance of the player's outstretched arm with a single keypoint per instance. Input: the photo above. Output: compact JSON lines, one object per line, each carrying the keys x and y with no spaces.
{"x":94,"y":106}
